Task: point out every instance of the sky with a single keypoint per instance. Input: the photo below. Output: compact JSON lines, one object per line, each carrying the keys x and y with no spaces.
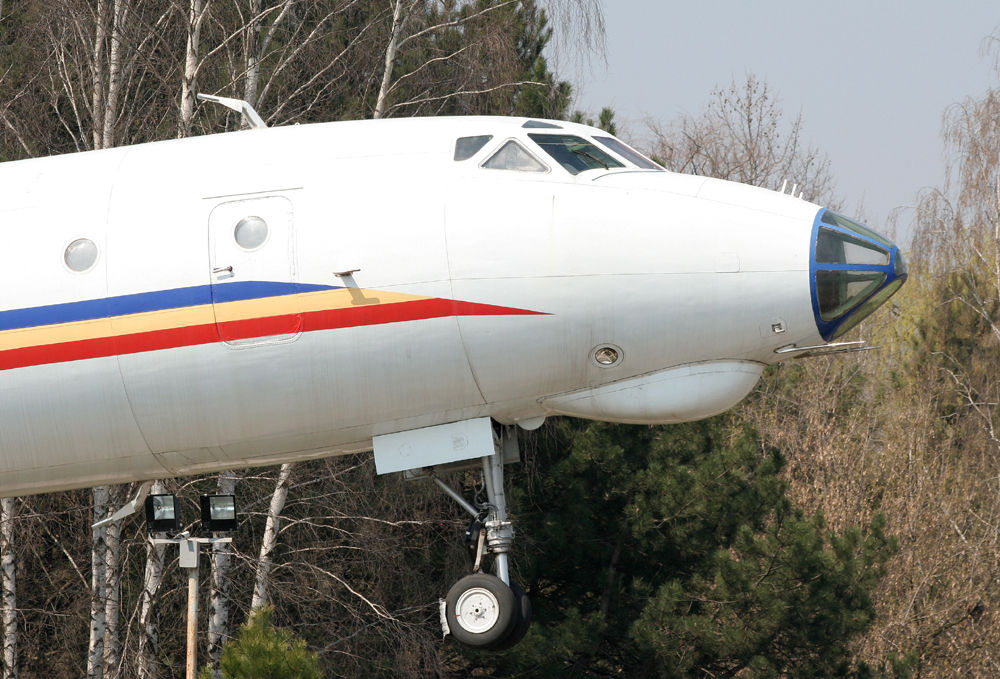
{"x":871,"y":80}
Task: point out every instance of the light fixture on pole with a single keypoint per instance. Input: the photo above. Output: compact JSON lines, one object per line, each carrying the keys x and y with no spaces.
{"x":218,"y":513}
{"x":162,"y":515}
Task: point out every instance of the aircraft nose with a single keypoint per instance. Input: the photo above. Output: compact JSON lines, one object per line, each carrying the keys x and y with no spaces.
{"x":853,"y":271}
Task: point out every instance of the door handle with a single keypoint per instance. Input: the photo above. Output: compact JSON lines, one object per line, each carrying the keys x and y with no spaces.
{"x":223,"y":269}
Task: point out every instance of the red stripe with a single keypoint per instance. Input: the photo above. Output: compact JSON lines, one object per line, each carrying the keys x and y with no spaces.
{"x":165,"y":339}
{"x":374,"y":314}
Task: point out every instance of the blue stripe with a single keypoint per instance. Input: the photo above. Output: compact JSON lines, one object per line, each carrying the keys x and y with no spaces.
{"x":143,"y":302}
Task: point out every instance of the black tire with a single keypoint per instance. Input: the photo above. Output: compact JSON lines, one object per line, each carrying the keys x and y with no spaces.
{"x":522,"y":621}
{"x":481,"y":610}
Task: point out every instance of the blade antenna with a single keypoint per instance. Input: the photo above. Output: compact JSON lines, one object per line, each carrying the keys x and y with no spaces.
{"x":250,"y":115}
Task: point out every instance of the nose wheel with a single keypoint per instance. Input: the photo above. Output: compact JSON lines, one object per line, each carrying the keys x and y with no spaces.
{"x":481,"y":610}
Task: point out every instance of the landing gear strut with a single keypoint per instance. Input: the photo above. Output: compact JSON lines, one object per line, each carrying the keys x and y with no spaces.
{"x":482,"y":610}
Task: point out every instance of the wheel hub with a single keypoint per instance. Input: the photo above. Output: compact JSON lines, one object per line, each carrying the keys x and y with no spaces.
{"x":477,"y":610}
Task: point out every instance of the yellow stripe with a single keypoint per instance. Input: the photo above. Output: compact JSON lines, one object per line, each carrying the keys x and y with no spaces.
{"x":162,"y":320}
{"x":322,"y":300}
{"x":151,"y":321}
{"x":54,"y":334}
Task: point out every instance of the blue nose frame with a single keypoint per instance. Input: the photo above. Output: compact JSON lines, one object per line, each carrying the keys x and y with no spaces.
{"x":895,"y":270}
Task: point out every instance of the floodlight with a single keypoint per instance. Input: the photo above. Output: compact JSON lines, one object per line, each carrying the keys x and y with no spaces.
{"x":218,"y":513}
{"x":162,"y":514}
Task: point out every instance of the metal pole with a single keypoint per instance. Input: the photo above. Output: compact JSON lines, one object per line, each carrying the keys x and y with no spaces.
{"x":192,"y":623}
{"x":190,"y":550}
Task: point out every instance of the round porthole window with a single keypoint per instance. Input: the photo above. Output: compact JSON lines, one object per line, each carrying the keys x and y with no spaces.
{"x":250,"y":233}
{"x":80,"y":255}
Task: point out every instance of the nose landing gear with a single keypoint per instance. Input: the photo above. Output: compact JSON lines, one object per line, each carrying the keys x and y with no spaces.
{"x":482,"y":610}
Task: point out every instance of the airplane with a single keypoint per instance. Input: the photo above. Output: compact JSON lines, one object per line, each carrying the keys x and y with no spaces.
{"x":414,"y":287}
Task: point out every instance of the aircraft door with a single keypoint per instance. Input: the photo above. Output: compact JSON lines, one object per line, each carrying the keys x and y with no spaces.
{"x":252,"y":261}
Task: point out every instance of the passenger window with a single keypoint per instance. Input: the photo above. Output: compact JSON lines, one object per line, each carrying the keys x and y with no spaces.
{"x":80,"y":255}
{"x":513,"y":156}
{"x":576,"y":154}
{"x":466,"y":147}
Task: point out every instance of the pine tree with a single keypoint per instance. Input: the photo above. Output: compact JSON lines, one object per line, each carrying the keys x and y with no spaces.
{"x":678,"y":554}
{"x":261,"y":650}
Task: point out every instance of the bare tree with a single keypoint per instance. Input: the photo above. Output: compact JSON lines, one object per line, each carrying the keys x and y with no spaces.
{"x":98,"y":585}
{"x":219,"y":597}
{"x":196,"y":15}
{"x":8,"y":587}
{"x":149,"y":636}
{"x":420,"y":24}
{"x":112,"y":606}
{"x":742,"y":136}
{"x":270,"y":539}
{"x":94,"y":69}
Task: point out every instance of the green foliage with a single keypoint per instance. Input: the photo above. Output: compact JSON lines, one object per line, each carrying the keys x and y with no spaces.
{"x":605,"y":121}
{"x":678,"y":554}
{"x":261,"y":650}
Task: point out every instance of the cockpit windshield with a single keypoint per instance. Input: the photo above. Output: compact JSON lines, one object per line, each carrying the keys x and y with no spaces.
{"x":833,"y":219}
{"x":628,"y":153}
{"x":576,"y":154}
{"x":837,"y":247}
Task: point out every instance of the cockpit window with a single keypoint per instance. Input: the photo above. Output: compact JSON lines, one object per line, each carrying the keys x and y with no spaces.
{"x":576,"y":154}
{"x":837,"y":247}
{"x":628,"y":153}
{"x":833,"y":219}
{"x":466,"y":147}
{"x":513,"y":156}
{"x":840,"y":291}
{"x":870,"y":305}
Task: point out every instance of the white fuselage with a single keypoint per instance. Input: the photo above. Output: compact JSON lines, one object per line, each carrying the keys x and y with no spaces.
{"x":473,"y":292}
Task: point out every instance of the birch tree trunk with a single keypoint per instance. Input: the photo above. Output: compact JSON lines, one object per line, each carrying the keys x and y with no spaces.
{"x":8,"y":587}
{"x":256,"y":43}
{"x":252,"y":48}
{"x":97,"y":94}
{"x":98,"y":586}
{"x":399,"y":17}
{"x":218,"y":622}
{"x":114,"y":76}
{"x":261,"y":589}
{"x":148,"y":630}
{"x":112,"y":602}
{"x":191,"y":64}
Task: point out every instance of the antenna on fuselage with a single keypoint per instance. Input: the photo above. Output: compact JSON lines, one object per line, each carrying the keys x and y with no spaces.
{"x":240,"y":106}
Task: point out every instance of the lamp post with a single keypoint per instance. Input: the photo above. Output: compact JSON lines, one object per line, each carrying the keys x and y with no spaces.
{"x":218,"y":514}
